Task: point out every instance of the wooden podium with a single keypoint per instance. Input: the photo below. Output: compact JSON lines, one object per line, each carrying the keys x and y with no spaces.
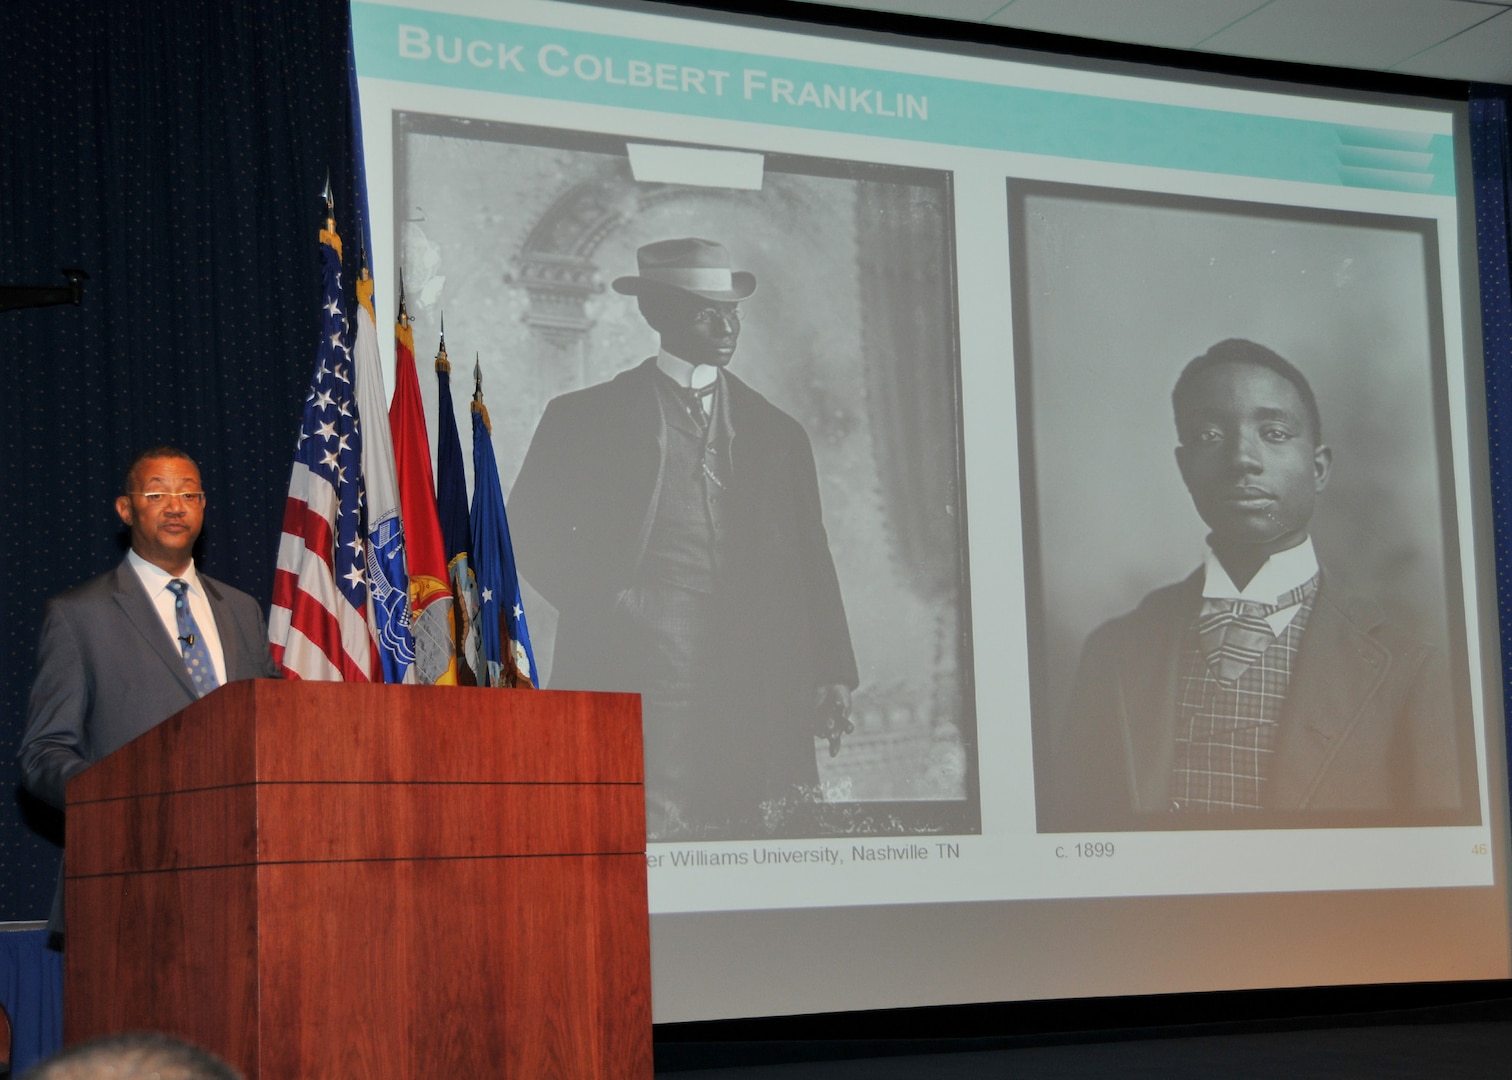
{"x":336,"y":880}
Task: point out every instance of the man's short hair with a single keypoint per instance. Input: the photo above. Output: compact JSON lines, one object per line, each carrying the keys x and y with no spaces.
{"x":129,"y":481}
{"x":133,"y":1056}
{"x":1241,"y":351}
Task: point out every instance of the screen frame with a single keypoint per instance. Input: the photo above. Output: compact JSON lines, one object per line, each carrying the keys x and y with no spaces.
{"x":1208,"y":70}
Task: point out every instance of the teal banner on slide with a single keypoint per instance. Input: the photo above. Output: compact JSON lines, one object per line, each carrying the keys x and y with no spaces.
{"x":495,"y":56}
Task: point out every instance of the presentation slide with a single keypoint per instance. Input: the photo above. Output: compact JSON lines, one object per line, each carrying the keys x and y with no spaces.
{"x":1074,"y":576}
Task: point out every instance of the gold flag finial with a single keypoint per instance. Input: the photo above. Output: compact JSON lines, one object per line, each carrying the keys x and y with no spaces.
{"x":442,"y":363}
{"x":330,"y":204}
{"x":328,"y":234}
{"x":477,"y":401}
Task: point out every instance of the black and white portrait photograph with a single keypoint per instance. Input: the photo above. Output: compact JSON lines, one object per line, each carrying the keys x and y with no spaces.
{"x":1243,"y":552}
{"x":723,"y":390}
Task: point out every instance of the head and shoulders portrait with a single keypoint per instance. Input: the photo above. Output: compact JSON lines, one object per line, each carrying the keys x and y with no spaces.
{"x":1248,"y":618}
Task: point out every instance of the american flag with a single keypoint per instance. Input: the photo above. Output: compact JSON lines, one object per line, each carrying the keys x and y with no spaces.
{"x":318,"y":625}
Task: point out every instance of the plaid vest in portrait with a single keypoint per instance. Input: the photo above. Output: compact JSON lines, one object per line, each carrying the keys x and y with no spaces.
{"x":1226,"y":729}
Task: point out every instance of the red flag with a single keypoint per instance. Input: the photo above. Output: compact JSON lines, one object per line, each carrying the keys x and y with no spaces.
{"x":429,"y":582}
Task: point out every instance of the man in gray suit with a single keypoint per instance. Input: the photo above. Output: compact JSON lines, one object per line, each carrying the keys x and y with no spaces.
{"x":124,"y":651}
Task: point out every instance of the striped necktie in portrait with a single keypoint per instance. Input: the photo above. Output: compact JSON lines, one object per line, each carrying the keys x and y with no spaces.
{"x":1234,"y":633}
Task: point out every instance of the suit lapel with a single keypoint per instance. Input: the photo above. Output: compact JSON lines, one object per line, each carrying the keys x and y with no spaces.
{"x":726,"y":404}
{"x":229,"y":632}
{"x":1148,"y":685}
{"x":641,"y":381}
{"x":1339,"y":669}
{"x":132,"y":600}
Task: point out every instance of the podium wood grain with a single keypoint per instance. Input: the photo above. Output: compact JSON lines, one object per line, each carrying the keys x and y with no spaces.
{"x":328,"y":880}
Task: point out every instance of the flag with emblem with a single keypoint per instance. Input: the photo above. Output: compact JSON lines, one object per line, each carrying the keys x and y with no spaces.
{"x":456,"y":527}
{"x":507,"y":656}
{"x":429,"y":586}
{"x":383,"y":533}
{"x":318,"y":626}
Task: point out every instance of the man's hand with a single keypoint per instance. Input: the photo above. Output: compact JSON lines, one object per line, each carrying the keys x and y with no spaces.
{"x":832,"y":707}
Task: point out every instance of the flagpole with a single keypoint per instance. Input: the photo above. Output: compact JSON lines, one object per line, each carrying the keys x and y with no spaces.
{"x":383,"y":526}
{"x":510,"y":660}
{"x":317,"y":626}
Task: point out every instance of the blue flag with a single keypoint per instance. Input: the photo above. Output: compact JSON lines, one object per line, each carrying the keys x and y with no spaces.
{"x":456,"y":528}
{"x":508,"y":658}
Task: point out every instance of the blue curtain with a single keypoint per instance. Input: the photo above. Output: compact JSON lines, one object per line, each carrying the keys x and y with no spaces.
{"x":31,"y":993}
{"x":175,"y":150}
{"x":1492,"y":171}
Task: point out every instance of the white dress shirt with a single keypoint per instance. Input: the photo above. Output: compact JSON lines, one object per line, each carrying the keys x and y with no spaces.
{"x":155,"y":580}
{"x":686,"y":375}
{"x":1282,"y":572}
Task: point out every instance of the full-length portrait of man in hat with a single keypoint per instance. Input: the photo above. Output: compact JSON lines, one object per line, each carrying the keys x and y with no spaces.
{"x":671,"y":515}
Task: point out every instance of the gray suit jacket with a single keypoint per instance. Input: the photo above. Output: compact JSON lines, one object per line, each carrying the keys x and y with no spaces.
{"x":107,"y":671}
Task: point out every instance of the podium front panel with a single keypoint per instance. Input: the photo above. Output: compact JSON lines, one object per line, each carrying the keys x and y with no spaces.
{"x":370,"y":881}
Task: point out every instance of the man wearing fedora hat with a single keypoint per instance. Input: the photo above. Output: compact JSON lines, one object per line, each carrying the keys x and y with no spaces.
{"x":671,"y":515}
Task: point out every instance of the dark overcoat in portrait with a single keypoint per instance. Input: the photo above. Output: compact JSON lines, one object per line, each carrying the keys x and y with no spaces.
{"x":581,"y":513}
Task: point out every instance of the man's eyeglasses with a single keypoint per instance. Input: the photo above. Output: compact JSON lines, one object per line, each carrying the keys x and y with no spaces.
{"x":708,"y":315}
{"x":162,"y":498}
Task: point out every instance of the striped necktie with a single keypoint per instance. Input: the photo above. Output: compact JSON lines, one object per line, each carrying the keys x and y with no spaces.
{"x":191,"y":641}
{"x":1234,"y":634}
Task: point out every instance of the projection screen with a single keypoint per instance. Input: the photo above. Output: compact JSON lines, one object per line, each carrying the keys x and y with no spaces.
{"x":953,"y":490}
